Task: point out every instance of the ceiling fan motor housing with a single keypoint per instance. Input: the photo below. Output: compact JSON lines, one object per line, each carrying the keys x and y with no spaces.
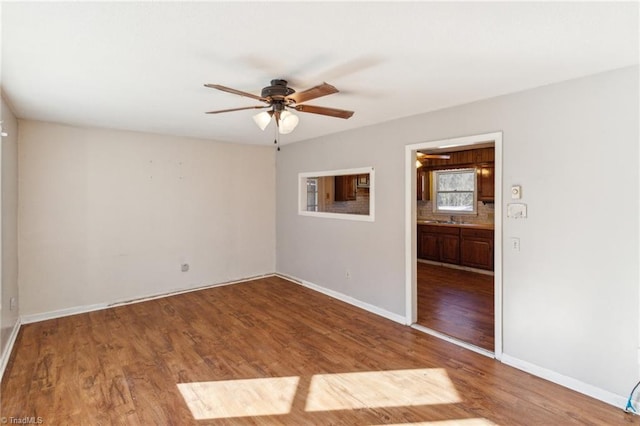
{"x":278,"y":90}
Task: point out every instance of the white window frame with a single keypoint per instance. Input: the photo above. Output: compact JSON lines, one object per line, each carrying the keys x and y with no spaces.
{"x":475,"y":192}
{"x":302,"y":194}
{"x":315,"y":195}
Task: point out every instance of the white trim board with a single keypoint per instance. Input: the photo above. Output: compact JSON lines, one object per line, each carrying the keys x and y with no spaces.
{"x":347,"y":299}
{"x":453,"y":340}
{"x":566,"y":381}
{"x":6,"y":354}
{"x":28,"y":319}
{"x":411,"y":297}
{"x":302,"y":194}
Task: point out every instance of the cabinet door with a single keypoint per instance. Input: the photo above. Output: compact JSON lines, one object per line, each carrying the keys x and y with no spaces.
{"x":428,"y":246}
{"x":450,"y":249}
{"x":485,"y":155}
{"x":486,"y":186}
{"x":477,"y":253}
{"x":423,"y":185}
{"x":345,"y":188}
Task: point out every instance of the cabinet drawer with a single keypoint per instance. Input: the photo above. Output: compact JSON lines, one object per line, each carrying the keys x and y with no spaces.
{"x":476,"y":233}
{"x":435,"y":229}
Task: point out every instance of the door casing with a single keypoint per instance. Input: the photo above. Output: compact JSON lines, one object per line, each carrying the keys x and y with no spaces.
{"x":411,"y":286}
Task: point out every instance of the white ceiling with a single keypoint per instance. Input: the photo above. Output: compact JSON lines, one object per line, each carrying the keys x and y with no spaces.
{"x":141,"y":66}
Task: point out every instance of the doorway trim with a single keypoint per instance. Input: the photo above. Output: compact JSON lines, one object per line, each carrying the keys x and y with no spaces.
{"x":411,"y":272}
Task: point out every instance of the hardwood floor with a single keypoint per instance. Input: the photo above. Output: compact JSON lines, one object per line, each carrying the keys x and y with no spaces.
{"x":457,"y":303}
{"x":268,"y":352}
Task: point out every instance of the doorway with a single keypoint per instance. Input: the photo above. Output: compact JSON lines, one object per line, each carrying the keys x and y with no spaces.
{"x":430,"y":269}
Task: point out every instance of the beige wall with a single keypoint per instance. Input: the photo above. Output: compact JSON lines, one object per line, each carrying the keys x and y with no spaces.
{"x":108,"y":216}
{"x":571,"y":296}
{"x":9,"y":218}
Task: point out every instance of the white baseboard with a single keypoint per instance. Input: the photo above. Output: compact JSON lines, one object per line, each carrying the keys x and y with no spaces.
{"x":460,"y":267}
{"x":552,"y":376}
{"x":28,"y":319}
{"x":347,"y":299}
{"x":566,"y":381}
{"x":6,"y":353}
{"x":453,"y":340}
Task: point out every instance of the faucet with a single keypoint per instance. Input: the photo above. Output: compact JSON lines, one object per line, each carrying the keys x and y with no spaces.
{"x":451,"y":218}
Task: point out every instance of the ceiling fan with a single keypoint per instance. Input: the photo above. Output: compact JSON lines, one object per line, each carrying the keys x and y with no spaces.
{"x":279,"y":99}
{"x":421,"y":156}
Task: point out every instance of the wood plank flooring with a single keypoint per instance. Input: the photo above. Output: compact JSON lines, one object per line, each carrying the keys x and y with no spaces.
{"x":264,"y":352}
{"x":457,"y":303}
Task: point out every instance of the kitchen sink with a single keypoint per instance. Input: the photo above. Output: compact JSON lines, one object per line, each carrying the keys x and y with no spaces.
{"x":445,"y":222}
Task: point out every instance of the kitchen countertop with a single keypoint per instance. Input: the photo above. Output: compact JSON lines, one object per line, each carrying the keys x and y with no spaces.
{"x":456,"y":224}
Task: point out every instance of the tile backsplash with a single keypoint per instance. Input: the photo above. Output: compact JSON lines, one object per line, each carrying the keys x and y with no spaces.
{"x":485,"y":213}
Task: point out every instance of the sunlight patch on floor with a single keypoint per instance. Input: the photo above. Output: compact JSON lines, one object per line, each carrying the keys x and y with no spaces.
{"x":453,"y":422}
{"x":239,"y":398}
{"x":395,"y":388}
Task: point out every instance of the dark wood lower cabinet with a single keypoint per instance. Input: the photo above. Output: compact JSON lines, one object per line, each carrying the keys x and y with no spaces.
{"x":456,"y":245}
{"x":439,"y":243}
{"x":476,"y":248}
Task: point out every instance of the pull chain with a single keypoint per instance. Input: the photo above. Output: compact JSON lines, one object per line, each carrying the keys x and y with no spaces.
{"x":276,"y":138}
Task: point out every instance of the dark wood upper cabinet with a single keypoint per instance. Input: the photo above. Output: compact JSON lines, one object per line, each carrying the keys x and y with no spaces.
{"x":423,"y":189}
{"x":482,"y":159}
{"x":461,"y":159}
{"x":486,"y":185}
{"x":485,"y":155}
{"x":345,"y":187}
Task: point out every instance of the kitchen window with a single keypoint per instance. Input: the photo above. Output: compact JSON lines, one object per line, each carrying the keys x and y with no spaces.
{"x":455,"y":191}
{"x":312,"y":194}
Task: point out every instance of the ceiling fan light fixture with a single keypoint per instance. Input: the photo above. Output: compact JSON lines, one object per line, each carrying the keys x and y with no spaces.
{"x":262,"y":119}
{"x":288,"y":122}
{"x":278,"y":97}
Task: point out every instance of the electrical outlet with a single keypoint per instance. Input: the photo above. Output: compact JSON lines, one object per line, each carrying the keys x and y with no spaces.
{"x":515,"y":244}
{"x":13,"y":303}
{"x":184,"y":267}
{"x":347,"y":274}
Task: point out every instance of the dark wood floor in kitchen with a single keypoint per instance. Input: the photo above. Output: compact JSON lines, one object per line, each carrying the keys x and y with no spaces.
{"x":457,"y":303}
{"x":267,"y":352}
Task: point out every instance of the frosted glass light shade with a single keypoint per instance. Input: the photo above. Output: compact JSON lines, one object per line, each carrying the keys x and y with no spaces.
{"x":288,"y":122}
{"x":262,"y":119}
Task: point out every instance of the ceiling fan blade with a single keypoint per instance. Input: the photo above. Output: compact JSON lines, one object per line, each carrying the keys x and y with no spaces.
{"x":332,"y":112}
{"x":235,"y":92}
{"x":323,"y":89}
{"x":237,"y":109}
{"x":434,"y":156}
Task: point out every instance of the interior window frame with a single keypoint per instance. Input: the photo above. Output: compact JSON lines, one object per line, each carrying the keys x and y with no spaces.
{"x":302,"y":194}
